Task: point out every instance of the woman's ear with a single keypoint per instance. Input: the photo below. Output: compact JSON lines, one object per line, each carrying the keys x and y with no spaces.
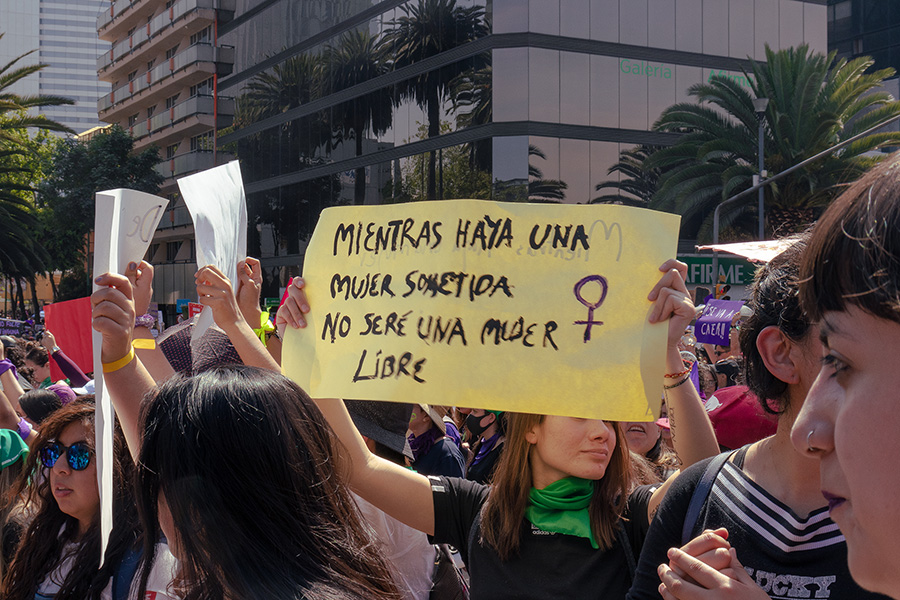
{"x":775,"y":349}
{"x":531,"y":436}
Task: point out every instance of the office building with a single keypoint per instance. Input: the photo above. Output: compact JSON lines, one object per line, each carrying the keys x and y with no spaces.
{"x":63,"y":35}
{"x":163,"y":64}
{"x":523,"y":99}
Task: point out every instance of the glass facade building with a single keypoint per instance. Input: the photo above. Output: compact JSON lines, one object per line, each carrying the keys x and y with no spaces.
{"x":363,"y":101}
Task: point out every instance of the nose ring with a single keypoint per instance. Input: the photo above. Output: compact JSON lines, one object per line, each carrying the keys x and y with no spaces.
{"x":809,"y":446}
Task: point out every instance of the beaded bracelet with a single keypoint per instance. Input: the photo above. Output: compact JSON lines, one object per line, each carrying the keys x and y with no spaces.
{"x":675,"y":385}
{"x":681,"y":374}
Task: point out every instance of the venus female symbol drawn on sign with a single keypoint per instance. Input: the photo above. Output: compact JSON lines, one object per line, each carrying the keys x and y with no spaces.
{"x":591,"y":306}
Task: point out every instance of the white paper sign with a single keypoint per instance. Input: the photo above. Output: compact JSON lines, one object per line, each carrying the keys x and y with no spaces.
{"x":216,"y":201}
{"x":124,"y":222}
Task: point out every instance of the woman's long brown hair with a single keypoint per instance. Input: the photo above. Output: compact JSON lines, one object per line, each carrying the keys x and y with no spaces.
{"x":502,"y":514}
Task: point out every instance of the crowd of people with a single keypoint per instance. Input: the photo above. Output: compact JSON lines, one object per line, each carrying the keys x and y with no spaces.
{"x":230,"y":482}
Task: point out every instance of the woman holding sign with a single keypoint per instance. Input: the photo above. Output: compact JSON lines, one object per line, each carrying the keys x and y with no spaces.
{"x":560,"y":519}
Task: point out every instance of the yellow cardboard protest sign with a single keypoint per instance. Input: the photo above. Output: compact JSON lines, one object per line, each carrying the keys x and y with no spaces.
{"x":522,"y":307}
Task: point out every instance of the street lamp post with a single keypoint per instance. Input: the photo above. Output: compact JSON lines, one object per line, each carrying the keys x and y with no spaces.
{"x":759,"y":105}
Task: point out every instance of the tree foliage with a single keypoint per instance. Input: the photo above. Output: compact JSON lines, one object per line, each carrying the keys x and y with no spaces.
{"x":815,"y":102}
{"x":429,"y":28}
{"x":78,"y":170}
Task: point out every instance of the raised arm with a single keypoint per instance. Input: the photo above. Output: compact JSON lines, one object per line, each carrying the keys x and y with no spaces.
{"x":9,"y":380}
{"x":153,"y":359}
{"x":214,"y":290}
{"x":73,"y":373}
{"x":125,"y":378}
{"x":249,"y":289}
{"x":692,"y":432}
{"x":399,"y":492}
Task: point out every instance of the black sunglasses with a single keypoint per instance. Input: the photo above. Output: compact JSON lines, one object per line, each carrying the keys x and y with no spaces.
{"x":78,"y":455}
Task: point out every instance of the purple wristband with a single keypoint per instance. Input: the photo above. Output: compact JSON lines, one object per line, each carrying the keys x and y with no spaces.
{"x":6,"y":365}
{"x":24,"y":429}
{"x":145,"y":320}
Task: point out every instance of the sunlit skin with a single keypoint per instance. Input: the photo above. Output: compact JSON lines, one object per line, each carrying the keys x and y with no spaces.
{"x":569,"y":447}
{"x":851,"y":412}
{"x":641,"y":437}
{"x":39,"y":373}
{"x":75,"y":492}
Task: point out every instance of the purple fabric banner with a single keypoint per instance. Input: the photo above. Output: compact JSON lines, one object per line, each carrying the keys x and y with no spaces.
{"x":714,"y":324}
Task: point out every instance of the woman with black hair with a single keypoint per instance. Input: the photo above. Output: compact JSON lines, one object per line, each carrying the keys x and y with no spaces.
{"x":237,"y":467}
{"x":764,"y":502}
{"x":849,"y":424}
{"x":59,"y":555}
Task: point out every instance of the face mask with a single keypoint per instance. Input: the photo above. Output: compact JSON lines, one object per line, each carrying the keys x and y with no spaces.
{"x":475,"y":424}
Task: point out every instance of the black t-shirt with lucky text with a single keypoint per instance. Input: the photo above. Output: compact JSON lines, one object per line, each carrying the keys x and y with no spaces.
{"x":788,"y":556}
{"x":548,"y":565}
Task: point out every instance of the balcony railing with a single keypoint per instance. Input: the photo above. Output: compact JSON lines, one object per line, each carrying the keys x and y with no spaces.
{"x":195,"y":54}
{"x":157,"y":26}
{"x":117,"y":10}
{"x":189,"y":162}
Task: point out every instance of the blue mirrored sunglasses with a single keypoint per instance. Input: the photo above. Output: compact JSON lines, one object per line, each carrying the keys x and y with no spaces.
{"x":78,"y":455}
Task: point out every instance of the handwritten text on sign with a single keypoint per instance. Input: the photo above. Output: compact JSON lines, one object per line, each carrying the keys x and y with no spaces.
{"x":532,"y":308}
{"x":714,"y":324}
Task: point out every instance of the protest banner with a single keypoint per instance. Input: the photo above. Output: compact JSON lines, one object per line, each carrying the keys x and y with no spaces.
{"x":218,"y":207}
{"x":508,"y":306}
{"x":70,"y":324}
{"x":714,"y":324}
{"x":11,"y":327}
{"x":124,"y":222}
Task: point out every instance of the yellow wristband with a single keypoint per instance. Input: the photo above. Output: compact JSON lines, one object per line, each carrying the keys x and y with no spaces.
{"x":118,"y":364}
{"x":144,"y":344}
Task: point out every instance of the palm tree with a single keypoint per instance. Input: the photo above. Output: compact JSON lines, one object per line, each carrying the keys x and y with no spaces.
{"x":21,"y":255}
{"x":471,"y":94}
{"x":427,"y":29}
{"x":638,"y":182}
{"x":288,"y":85}
{"x":357,"y":59}
{"x":814,"y":103}
{"x":540,"y":189}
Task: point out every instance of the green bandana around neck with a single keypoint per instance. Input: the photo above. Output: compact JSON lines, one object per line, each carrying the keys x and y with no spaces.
{"x":562,"y":507}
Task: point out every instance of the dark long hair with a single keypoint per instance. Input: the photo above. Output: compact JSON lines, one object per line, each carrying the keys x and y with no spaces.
{"x":504,"y":510}
{"x":775,"y":301}
{"x":51,"y":530}
{"x":854,"y":253}
{"x":247,"y":466}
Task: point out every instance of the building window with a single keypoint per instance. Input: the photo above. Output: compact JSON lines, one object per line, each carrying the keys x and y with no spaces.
{"x":133,"y":119}
{"x":172,"y":249}
{"x":204,"y":88}
{"x":150,"y":111}
{"x":171,"y":52}
{"x":857,"y":46}
{"x":149,"y":65}
{"x":171,"y":101}
{"x":203,"y":142}
{"x":170,"y":151}
{"x":132,"y":75}
{"x":151,"y":252}
{"x":170,"y":3}
{"x":203,"y":36}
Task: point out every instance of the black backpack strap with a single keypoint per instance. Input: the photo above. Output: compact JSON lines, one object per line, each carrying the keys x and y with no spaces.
{"x":701,"y":493}
{"x":626,"y":545}
{"x":125,"y":573}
